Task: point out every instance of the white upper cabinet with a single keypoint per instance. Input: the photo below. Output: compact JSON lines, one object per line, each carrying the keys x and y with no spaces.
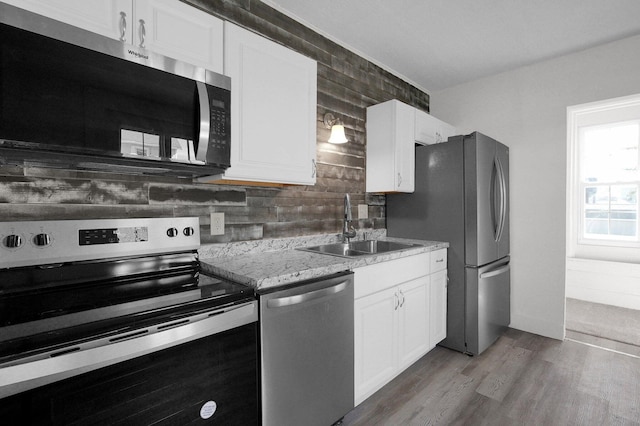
{"x":167,"y":27}
{"x":393,"y":130}
{"x":390,"y":147}
{"x":430,"y":130}
{"x":180,"y":31}
{"x":273,"y":110}
{"x":110,"y":18}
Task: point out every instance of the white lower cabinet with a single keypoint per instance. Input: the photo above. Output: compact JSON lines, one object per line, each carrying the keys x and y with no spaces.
{"x":413,"y":324}
{"x":399,"y":315}
{"x":391,"y":320}
{"x":438,"y":300}
{"x":376,"y":335}
{"x":438,"y":308}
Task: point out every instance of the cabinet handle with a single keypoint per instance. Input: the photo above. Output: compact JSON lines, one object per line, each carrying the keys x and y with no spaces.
{"x":142,"y":32}
{"x":402,"y":301}
{"x":439,"y":260}
{"x":397,"y":300}
{"x":314,"y":168}
{"x":399,"y":179}
{"x":123,"y":26}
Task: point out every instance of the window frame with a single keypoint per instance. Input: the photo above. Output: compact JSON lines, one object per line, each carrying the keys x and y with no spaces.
{"x":624,"y":109}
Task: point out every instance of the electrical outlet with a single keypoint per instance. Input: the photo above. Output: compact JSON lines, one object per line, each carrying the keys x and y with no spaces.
{"x":363,"y":211}
{"x":217,"y":223}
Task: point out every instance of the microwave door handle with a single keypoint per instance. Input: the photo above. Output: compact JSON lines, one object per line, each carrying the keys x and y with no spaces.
{"x":205,"y":122}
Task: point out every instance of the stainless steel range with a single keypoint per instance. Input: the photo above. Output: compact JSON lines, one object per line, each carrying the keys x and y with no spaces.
{"x":110,"y":321}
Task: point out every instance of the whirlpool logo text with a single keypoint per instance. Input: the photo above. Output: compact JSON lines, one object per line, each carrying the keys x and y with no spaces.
{"x":138,"y":54}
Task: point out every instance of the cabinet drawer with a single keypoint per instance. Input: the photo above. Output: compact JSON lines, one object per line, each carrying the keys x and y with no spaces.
{"x":379,"y":276}
{"x":438,"y":260}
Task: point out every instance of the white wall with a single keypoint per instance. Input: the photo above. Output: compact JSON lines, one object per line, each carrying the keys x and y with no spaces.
{"x":526,"y":110}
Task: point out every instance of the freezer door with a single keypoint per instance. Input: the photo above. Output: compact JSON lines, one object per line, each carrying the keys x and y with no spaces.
{"x":486,"y":176}
{"x":488,"y":304}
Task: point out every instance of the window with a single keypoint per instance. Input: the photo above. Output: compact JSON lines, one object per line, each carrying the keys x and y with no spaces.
{"x":604,"y":178}
{"x":609,"y":181}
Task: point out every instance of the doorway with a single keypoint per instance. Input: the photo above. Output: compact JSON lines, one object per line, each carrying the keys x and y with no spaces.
{"x":603,"y":224}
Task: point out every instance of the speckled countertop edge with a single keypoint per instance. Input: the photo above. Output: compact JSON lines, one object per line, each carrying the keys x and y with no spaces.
{"x":277,"y":268}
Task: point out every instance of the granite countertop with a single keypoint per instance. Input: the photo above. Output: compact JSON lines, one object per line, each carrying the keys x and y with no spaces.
{"x":276,"y":268}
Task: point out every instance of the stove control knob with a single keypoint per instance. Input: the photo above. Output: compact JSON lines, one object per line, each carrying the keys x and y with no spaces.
{"x":12,"y":241}
{"x":172,"y":232}
{"x":42,"y":240}
{"x":188,"y":231}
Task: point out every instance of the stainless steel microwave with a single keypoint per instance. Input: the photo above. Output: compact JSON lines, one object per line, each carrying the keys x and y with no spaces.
{"x":70,"y":98}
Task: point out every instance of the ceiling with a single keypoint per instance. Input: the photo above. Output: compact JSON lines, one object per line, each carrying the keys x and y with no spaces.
{"x":436,"y":44}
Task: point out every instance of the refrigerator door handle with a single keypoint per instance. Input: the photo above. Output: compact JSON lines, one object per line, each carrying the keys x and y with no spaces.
{"x":494,"y":272}
{"x":495,"y":220}
{"x":503,"y":199}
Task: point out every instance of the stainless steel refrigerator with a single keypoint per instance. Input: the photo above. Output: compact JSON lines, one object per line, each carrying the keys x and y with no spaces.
{"x":462,"y":197}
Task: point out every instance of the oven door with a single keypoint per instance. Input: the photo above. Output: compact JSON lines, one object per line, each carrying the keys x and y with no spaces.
{"x":178,"y":372}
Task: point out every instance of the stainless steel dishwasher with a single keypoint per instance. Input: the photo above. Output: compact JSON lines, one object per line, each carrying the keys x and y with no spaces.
{"x":306,"y":333}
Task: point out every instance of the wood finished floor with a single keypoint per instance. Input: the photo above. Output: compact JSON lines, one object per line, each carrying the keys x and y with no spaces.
{"x":523,"y":379}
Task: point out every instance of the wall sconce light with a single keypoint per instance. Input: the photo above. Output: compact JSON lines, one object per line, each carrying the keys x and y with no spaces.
{"x":337,"y":129}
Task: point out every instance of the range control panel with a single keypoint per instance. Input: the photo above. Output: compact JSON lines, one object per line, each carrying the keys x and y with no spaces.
{"x":46,"y":242}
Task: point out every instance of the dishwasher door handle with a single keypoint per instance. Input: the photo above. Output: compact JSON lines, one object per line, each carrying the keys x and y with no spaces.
{"x":305,"y":297}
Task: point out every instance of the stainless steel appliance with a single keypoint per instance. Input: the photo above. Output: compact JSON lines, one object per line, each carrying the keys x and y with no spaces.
{"x":306,"y":338}
{"x":111,"y":322}
{"x":72,"y":98}
{"x":462,"y":196}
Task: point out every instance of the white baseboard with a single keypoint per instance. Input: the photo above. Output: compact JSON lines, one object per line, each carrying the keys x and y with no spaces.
{"x":538,"y":326}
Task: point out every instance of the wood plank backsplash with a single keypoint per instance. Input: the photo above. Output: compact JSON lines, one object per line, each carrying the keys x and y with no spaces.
{"x":347,"y":84}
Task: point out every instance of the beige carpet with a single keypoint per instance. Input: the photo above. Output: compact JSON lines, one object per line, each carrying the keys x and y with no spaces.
{"x":595,"y":322}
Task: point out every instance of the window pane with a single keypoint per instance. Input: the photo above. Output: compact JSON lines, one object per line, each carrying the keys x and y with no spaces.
{"x":596,"y":211}
{"x":610,"y":153}
{"x":624,"y":210}
{"x":611,"y":211}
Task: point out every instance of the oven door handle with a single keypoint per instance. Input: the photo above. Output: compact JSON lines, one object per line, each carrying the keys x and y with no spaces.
{"x":28,"y":375}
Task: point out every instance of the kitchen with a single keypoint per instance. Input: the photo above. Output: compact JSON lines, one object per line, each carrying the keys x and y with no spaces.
{"x":346,"y":84}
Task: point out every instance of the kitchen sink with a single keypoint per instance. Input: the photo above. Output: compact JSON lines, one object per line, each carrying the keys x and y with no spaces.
{"x":358,"y":248}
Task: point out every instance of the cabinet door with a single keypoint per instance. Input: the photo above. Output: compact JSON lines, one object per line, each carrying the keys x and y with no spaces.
{"x":110,"y":18}
{"x":390,"y":147}
{"x":375,"y":342}
{"x":413,"y":321}
{"x":179,"y":31}
{"x":430,"y":130}
{"x":273,"y":110}
{"x":405,"y":149}
{"x":438,"y":307}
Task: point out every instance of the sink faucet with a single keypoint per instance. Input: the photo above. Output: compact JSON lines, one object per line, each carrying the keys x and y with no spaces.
{"x":347,"y":230}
